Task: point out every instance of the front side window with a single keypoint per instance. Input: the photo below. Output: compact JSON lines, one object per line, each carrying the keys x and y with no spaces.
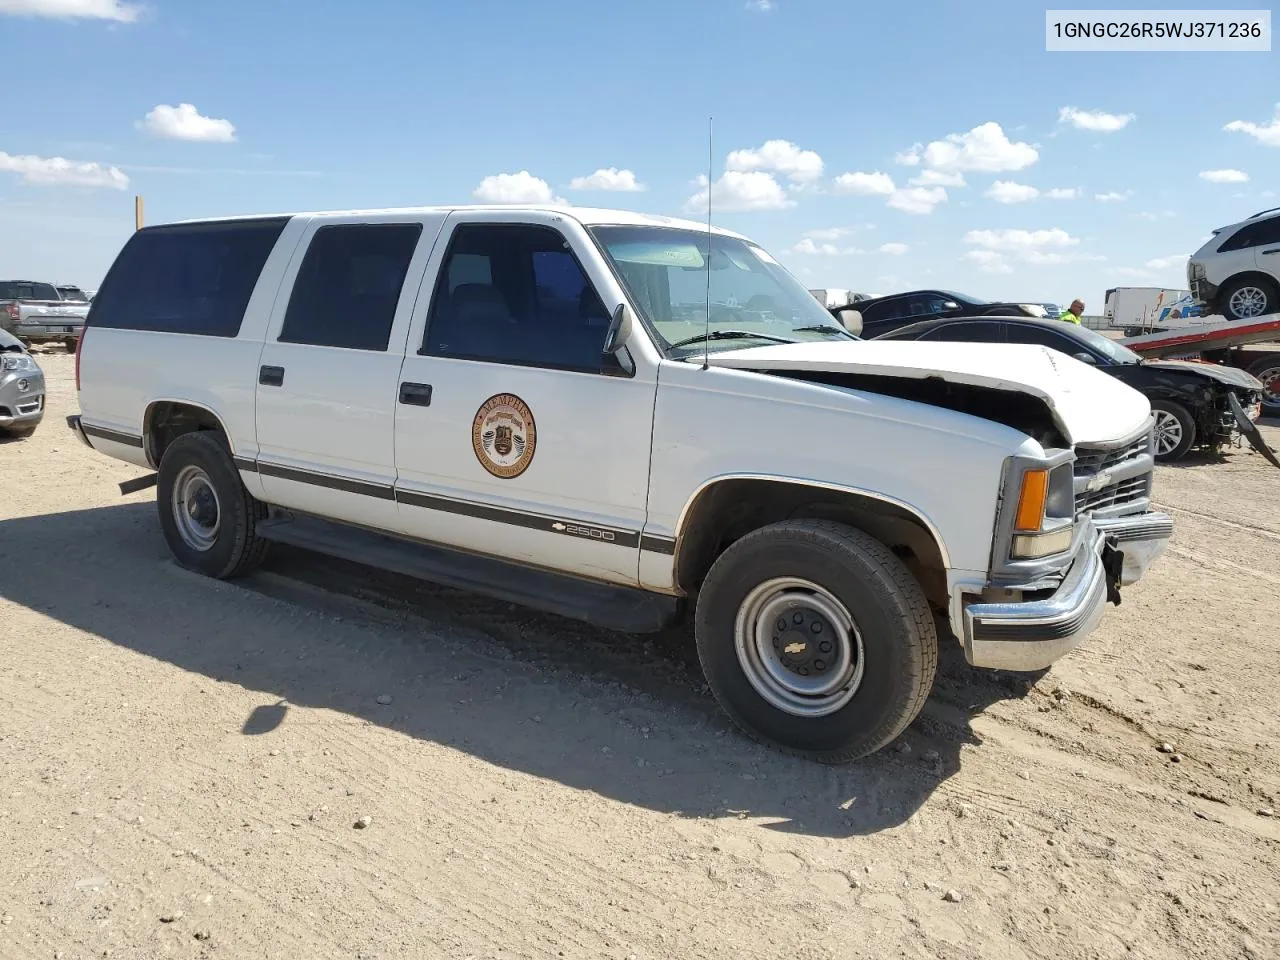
{"x":752,"y":298}
{"x":349,"y":284}
{"x":515,"y":293}
{"x":186,"y":278}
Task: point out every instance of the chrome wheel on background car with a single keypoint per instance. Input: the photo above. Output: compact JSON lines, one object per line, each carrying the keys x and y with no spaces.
{"x":1247,"y":301}
{"x":197,"y":511}
{"x":1168,"y":433}
{"x":799,"y":647}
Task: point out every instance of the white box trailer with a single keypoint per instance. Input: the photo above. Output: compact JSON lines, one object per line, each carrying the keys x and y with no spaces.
{"x":1149,"y":308}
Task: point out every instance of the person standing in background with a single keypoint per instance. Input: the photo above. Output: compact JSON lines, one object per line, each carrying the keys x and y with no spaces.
{"x":1072,"y":313}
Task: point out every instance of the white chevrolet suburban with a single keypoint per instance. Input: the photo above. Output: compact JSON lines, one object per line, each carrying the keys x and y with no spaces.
{"x":619,"y":418}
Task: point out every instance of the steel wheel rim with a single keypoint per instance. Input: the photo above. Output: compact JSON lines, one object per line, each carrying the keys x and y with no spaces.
{"x":1248,"y":302}
{"x":832,"y":658}
{"x":1168,"y":432}
{"x":197,"y":512}
{"x":1270,"y":378}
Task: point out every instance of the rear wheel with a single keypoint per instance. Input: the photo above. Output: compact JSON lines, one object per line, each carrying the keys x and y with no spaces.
{"x":72,"y":344}
{"x":1249,"y":298}
{"x":208,"y":518}
{"x":1175,"y":430}
{"x":814,"y":636}
{"x":1267,"y":369}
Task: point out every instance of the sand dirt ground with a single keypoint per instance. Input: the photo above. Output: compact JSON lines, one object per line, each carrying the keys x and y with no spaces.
{"x":183,"y":762}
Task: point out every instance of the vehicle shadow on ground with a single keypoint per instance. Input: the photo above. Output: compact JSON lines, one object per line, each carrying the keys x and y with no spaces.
{"x":625,"y":717}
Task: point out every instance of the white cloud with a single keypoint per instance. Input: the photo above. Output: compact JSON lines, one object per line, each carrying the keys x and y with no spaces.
{"x":522,"y":187}
{"x":809,"y":248}
{"x":994,"y":249}
{"x":60,"y":172}
{"x":917,"y":199}
{"x":911,"y":156}
{"x":741,"y":191}
{"x":893,"y":249}
{"x":1268,"y":134}
{"x":1267,"y":194}
{"x":1006,"y":191}
{"x":936,"y":178}
{"x":1062,"y":193}
{"x":1112,"y":197}
{"x":1224,"y":176}
{"x":875,"y":184}
{"x":1094,"y":120}
{"x":828,"y":233}
{"x":779,"y":156}
{"x":989,"y":261}
{"x":609,"y":179}
{"x":1166,"y":263}
{"x":983,"y":149}
{"x":74,"y":9}
{"x":185,"y":122}
{"x":762,"y":6}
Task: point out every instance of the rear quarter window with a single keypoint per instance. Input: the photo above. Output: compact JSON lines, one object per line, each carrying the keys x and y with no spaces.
{"x":190,"y":278}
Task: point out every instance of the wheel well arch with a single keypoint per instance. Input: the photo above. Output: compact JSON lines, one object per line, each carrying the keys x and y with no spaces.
{"x":1255,"y":276}
{"x":728,"y":508}
{"x":166,"y":420}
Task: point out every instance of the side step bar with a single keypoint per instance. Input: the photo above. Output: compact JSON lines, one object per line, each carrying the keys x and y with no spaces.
{"x":624,"y":609}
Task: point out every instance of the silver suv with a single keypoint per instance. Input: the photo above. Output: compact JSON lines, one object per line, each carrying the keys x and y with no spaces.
{"x":1237,"y":273}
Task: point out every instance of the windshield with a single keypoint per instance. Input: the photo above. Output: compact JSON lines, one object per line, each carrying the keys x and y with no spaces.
{"x":22,"y":290}
{"x":753,"y":298}
{"x":1115,"y":352}
{"x":963,"y":297}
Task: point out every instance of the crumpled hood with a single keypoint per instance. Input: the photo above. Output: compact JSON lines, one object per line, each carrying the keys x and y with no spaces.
{"x":1088,"y":405}
{"x":1232,"y":376}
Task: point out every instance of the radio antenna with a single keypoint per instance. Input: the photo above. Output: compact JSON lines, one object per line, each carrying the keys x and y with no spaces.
{"x":706,"y":340}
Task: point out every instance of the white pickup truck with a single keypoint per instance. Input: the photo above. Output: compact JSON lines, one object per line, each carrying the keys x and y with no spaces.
{"x":623,"y":418}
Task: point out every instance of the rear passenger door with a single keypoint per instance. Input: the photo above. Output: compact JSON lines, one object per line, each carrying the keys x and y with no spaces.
{"x":515,"y":436}
{"x":328,"y":373}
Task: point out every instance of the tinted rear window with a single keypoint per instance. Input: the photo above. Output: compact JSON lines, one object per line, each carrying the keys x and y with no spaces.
{"x":22,"y":290}
{"x":193,"y":278}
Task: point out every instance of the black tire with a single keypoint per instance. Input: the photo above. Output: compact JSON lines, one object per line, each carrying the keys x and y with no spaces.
{"x":1185,"y":425}
{"x":1267,"y":290}
{"x":72,"y":344}
{"x":235,"y":549}
{"x":892,"y":616}
{"x":1267,"y":369}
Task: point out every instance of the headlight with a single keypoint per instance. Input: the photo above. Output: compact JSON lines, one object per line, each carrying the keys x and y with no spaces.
{"x":17,"y":361}
{"x":1042,"y":524}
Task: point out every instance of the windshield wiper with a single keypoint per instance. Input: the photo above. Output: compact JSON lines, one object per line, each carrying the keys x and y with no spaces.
{"x":823,"y":328}
{"x":728,"y":335}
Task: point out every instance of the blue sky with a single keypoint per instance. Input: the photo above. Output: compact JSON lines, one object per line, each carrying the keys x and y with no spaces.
{"x":825,"y":112}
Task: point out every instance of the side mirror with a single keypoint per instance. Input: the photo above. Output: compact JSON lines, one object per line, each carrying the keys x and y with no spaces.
{"x":619,"y":329}
{"x":950,"y":306}
{"x":851,"y":320}
{"x":1085,"y":358}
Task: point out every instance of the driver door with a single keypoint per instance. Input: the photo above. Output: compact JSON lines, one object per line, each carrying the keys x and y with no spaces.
{"x":514,"y":435}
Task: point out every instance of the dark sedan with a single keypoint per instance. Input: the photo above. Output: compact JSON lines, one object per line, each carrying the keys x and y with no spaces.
{"x":1190,"y":400}
{"x":883,"y":314}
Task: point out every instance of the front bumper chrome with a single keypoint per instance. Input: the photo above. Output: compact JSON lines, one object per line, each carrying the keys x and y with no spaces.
{"x":1027,"y":635}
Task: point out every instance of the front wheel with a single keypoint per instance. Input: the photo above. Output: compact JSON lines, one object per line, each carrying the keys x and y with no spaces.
{"x":208,"y":518}
{"x":1175,"y":430}
{"x":812,"y":635}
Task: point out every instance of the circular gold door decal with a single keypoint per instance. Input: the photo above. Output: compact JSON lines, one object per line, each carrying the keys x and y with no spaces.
{"x":503,"y":435}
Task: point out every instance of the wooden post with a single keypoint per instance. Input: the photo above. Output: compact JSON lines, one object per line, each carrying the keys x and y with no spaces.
{"x":137,"y":213}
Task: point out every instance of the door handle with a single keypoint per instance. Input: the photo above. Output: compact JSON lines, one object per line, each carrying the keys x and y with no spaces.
{"x":1272,"y":250}
{"x":417,"y":394}
{"x":271,"y":376}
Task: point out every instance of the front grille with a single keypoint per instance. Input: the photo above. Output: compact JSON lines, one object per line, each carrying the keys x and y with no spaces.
{"x":1117,"y":494}
{"x":1126,"y":471}
{"x":1089,"y":462}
